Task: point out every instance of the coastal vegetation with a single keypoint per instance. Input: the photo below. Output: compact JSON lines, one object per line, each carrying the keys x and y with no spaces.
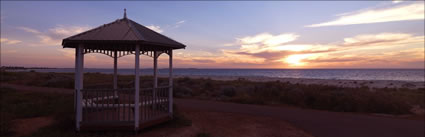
{"x":324,"y":97}
{"x":22,"y":105}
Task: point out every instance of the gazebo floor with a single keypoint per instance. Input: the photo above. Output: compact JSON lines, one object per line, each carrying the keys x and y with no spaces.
{"x":113,"y":119}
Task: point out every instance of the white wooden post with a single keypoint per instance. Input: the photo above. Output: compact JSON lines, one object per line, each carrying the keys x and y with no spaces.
{"x":136,"y":87}
{"x":82,"y":69}
{"x":79,"y":82}
{"x":115,"y":73}
{"x":76,"y":80}
{"x":155,"y":75}
{"x":170,"y":82}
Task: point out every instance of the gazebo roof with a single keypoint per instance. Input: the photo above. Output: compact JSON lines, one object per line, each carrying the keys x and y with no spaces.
{"x":122,"y":33}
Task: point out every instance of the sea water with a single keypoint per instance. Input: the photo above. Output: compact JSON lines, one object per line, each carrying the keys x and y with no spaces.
{"x":346,"y":74}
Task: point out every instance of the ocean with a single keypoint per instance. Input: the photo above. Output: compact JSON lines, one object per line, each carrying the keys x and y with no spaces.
{"x":416,"y":75}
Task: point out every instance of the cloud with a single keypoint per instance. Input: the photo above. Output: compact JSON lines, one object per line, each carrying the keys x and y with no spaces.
{"x":273,"y":48}
{"x":332,"y":59}
{"x":351,"y":51}
{"x":155,"y":28}
{"x":9,"y":41}
{"x":382,"y":39}
{"x":54,"y":36}
{"x":29,"y":30}
{"x":264,"y":41}
{"x":266,"y":49}
{"x":203,"y":60}
{"x":48,"y":40}
{"x":179,"y":23}
{"x":66,"y":31}
{"x":397,"y":1}
{"x":228,"y":44}
{"x":68,"y":53}
{"x":414,"y":11}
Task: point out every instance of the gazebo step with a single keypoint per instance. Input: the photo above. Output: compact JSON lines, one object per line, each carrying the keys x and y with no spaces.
{"x":154,"y":121}
{"x":107,"y":125}
{"x":122,"y":125}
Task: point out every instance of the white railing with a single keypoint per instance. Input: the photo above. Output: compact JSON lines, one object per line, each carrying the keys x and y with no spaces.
{"x":109,"y":105}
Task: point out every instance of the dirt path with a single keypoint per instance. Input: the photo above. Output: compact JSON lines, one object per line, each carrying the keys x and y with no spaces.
{"x":37,"y":89}
{"x":27,"y":126}
{"x":319,"y":123}
{"x":222,"y":124}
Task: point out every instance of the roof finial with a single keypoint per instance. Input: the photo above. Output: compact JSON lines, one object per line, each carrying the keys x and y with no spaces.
{"x":125,"y":13}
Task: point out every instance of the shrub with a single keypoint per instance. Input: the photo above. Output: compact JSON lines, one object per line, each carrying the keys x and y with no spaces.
{"x":203,"y":134}
{"x":228,"y":91}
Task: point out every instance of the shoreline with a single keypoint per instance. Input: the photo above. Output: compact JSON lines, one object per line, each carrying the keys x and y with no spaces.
{"x":307,"y":81}
{"x":339,"y":74}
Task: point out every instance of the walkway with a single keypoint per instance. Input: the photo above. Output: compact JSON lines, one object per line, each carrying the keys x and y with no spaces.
{"x":320,"y":123}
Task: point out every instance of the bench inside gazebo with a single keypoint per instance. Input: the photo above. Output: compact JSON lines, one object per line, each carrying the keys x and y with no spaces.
{"x":131,"y":108}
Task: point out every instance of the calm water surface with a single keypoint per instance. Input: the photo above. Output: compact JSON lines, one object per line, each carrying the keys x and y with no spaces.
{"x":348,"y":74}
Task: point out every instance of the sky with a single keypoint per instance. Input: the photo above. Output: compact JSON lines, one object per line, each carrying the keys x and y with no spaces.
{"x":218,"y":34}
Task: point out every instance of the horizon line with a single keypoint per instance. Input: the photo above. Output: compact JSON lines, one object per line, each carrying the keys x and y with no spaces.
{"x":195,"y":68}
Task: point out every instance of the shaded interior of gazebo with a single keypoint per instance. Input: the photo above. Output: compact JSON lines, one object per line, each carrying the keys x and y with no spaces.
{"x":130,"y":108}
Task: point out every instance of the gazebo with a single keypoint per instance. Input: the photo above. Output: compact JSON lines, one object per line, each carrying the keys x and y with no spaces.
{"x":132,"y":108}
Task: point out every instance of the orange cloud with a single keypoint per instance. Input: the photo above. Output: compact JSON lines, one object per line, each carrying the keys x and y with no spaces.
{"x":9,"y":41}
{"x":254,"y":50}
{"x":54,"y":35}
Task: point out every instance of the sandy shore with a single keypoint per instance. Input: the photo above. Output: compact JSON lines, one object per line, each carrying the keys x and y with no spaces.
{"x":333,"y":82}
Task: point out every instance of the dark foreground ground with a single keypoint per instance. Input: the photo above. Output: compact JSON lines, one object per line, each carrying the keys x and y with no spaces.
{"x":47,"y":112}
{"x":40,"y":104}
{"x":320,"y":123}
{"x":212,"y":118}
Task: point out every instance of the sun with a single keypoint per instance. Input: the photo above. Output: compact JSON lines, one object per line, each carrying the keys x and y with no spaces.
{"x":296,"y":60}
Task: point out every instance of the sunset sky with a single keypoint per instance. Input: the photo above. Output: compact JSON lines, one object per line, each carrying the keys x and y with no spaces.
{"x":273,"y":34}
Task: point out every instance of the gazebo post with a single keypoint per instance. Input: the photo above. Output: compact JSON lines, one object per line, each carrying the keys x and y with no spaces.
{"x":115,"y":73}
{"x":155,"y":74}
{"x":136,"y":87}
{"x":76,"y":80}
{"x":79,"y":84}
{"x":76,"y":83}
{"x":170,"y":82}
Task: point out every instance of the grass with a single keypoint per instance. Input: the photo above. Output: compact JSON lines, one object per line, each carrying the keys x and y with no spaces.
{"x":18,"y":104}
{"x":331,"y":98}
{"x":203,"y":134}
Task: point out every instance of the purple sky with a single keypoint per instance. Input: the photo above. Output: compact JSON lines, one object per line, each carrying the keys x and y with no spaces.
{"x":273,"y":34}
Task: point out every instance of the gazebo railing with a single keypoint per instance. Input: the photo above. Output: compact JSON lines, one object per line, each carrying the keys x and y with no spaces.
{"x":155,"y":103}
{"x":108,"y":105}
{"x":118,"y":105}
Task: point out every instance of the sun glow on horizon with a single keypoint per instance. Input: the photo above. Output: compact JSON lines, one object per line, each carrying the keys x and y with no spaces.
{"x":297,"y":59}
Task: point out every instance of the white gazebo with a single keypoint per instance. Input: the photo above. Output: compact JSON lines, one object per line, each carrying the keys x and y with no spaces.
{"x":133,"y":108}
